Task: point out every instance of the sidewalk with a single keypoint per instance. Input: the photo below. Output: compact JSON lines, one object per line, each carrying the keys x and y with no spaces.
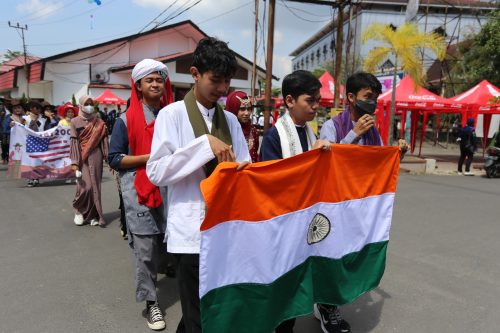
{"x":446,"y":161}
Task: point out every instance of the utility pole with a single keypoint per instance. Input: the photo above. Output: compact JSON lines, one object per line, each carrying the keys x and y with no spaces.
{"x":338,"y":53}
{"x":19,"y":27}
{"x":254,"y":66}
{"x":269,"y":63}
{"x":348,"y":44}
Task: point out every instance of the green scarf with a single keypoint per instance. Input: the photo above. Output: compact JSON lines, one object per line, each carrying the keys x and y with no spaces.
{"x":220,"y":128}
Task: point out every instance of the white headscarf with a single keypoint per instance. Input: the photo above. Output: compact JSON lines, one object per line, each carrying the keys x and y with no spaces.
{"x":148,"y":66}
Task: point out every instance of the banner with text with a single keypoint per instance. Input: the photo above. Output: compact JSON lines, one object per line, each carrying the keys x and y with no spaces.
{"x":39,"y":155}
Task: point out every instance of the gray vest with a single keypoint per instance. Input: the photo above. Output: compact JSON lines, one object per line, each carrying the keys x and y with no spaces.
{"x":141,"y":220}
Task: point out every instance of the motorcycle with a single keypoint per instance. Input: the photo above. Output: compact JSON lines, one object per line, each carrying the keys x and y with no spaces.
{"x":492,"y":162}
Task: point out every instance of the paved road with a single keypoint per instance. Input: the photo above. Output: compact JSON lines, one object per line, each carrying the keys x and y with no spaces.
{"x":443,"y":271}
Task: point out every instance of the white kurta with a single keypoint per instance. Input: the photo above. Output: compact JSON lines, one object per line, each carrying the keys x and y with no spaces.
{"x":177,"y":161}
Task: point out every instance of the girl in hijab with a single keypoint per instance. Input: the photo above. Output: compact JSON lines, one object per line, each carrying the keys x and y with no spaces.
{"x":89,"y":147}
{"x":241,"y":106}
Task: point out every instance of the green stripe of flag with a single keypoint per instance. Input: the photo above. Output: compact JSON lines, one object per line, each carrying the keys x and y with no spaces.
{"x":259,"y":308}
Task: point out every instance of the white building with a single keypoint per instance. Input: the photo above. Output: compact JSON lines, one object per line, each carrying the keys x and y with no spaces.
{"x":91,"y":70}
{"x":455,"y":18}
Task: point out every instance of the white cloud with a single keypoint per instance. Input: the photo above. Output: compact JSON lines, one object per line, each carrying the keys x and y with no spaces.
{"x":204,"y":7}
{"x":39,"y":8}
{"x":278,"y":36}
{"x":282,"y":65}
{"x":246,"y":33}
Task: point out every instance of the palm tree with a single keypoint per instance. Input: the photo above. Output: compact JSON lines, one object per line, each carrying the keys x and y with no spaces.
{"x":405,"y":44}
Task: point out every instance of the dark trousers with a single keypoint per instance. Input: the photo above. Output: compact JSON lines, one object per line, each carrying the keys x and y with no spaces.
{"x":5,"y":147}
{"x":188,"y":267}
{"x":465,"y":155}
{"x":286,"y":326}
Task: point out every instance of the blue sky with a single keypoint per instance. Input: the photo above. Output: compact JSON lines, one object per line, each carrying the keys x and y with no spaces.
{"x":56,"y":26}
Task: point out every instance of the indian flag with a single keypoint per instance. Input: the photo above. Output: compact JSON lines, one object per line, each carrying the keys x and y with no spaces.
{"x":282,"y":235}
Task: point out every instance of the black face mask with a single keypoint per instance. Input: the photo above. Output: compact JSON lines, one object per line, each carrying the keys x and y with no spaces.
{"x":366,"y":107}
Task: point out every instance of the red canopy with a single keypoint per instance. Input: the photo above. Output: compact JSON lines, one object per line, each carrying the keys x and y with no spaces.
{"x":327,"y":89}
{"x":410,"y":96}
{"x":478,"y":99}
{"x":479,"y":95}
{"x":108,"y":98}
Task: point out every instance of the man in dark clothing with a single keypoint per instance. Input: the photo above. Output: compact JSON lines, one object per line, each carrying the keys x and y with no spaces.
{"x":467,"y":141}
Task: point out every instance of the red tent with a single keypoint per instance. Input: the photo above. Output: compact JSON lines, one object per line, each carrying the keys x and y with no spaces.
{"x":478,"y":100}
{"x":108,"y":98}
{"x":327,"y":89}
{"x":409,"y":97}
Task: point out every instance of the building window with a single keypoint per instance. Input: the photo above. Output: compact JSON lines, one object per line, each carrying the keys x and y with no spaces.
{"x":318,"y":55}
{"x":325,"y":52}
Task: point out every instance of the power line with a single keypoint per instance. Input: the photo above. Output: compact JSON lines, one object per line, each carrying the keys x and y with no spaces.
{"x":283,"y":4}
{"x":120,"y":46}
{"x":130,"y":31}
{"x":77,"y":15}
{"x":37,"y":15}
{"x":153,"y":20}
{"x":225,"y":13}
{"x":180,"y":13}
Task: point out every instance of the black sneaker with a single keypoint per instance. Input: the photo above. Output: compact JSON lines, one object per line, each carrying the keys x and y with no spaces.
{"x":155,"y":318}
{"x":30,"y":183}
{"x":330,"y":319}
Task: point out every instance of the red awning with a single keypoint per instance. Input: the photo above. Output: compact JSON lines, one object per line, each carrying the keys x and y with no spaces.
{"x":410,"y":96}
{"x":479,"y":95}
{"x":108,"y":98}
{"x":477,"y":100}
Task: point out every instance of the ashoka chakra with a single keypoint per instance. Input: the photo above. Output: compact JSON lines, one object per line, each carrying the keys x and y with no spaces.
{"x":318,"y":229}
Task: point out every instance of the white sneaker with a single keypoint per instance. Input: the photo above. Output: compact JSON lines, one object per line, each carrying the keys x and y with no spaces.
{"x":468,"y":173}
{"x":94,"y":222}
{"x":78,"y":219}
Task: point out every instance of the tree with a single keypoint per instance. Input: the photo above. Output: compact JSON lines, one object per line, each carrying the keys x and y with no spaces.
{"x":275,"y":91}
{"x":405,"y":44}
{"x":73,"y":100}
{"x":327,"y":66}
{"x":480,"y":56}
{"x":9,"y":55}
{"x":24,"y":100}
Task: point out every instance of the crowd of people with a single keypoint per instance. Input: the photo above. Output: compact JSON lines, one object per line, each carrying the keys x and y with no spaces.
{"x":161,"y":150}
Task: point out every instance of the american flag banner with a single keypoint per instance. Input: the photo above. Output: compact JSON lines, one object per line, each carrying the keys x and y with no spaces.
{"x":47,"y":149}
{"x":40,"y":155}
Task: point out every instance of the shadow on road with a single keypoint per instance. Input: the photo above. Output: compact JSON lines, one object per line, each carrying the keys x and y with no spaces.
{"x":364,"y":313}
{"x":111,"y":217}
